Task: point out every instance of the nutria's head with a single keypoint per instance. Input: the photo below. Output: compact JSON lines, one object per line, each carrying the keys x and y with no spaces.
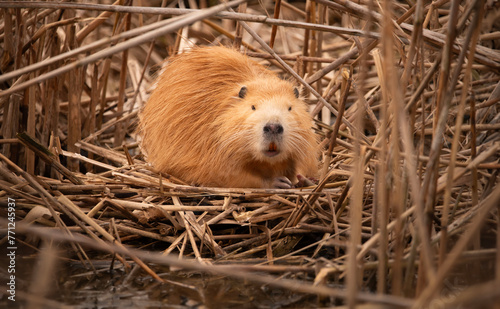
{"x":268,"y":122}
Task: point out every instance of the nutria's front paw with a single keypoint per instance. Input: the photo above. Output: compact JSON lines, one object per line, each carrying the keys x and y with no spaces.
{"x":305,"y":182}
{"x":282,"y":183}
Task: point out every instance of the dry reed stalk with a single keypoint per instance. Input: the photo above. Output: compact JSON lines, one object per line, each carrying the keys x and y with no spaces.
{"x":381,"y":209}
{"x":119,"y":134}
{"x":277,"y":7}
{"x":346,"y":85}
{"x":473,"y":35}
{"x":40,"y":285}
{"x":30,"y":155}
{"x":74,"y":109}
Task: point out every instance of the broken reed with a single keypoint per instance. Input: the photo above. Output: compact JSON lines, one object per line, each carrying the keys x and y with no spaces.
{"x":394,"y":162}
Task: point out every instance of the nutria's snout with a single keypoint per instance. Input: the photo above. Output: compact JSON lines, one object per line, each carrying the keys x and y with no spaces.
{"x":273,"y":133}
{"x":273,"y":129}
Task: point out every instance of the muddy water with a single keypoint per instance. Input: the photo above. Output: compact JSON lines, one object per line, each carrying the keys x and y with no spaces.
{"x":72,"y":286}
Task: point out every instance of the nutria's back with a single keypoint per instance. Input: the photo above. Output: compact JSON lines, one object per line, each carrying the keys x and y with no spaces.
{"x":217,"y":118}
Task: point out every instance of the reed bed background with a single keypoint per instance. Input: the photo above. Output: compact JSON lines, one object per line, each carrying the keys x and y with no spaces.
{"x":405,"y":212}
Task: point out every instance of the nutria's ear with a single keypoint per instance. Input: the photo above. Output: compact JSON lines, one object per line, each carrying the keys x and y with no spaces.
{"x":243,"y":92}
{"x":296,"y":92}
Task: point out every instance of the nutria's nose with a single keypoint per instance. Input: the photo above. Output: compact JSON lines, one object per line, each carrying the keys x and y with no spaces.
{"x":273,"y":128}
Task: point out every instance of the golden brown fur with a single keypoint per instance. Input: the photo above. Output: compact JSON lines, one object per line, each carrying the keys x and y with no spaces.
{"x":195,"y":125}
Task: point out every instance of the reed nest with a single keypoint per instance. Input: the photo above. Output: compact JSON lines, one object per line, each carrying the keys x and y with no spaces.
{"x":405,"y":212}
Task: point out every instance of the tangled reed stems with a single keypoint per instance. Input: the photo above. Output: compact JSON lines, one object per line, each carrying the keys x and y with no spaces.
{"x":405,"y":98}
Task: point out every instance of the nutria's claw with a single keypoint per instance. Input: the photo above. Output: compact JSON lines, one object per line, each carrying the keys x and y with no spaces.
{"x":305,"y":182}
{"x":282,"y":183}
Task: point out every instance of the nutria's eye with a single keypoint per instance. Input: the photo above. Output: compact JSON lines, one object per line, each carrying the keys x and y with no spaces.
{"x":296,"y":92}
{"x":253,"y":107}
{"x":243,"y":92}
{"x":289,"y":108}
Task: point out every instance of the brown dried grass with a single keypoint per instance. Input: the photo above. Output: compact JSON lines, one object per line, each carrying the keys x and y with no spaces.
{"x":409,"y":192}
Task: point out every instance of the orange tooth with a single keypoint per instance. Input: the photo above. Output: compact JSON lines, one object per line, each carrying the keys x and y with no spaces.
{"x":273,"y":147}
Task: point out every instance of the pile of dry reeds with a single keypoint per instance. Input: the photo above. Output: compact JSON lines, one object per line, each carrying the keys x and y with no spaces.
{"x":405,"y":97}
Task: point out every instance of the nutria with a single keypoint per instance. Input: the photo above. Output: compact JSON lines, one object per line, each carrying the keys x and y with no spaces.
{"x":217,"y":118}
